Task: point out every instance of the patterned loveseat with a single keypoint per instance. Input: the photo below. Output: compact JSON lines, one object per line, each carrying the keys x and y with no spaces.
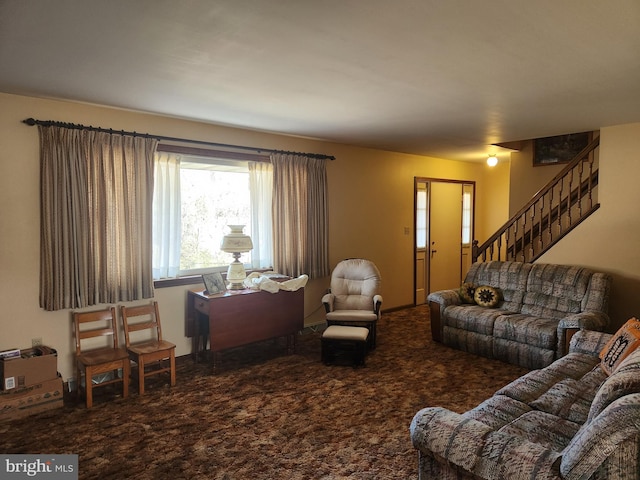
{"x":539,"y":307}
{"x":570,"y":420}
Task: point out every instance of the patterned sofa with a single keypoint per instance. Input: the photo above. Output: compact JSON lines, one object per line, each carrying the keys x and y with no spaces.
{"x":540,"y":306}
{"x":569,"y":420}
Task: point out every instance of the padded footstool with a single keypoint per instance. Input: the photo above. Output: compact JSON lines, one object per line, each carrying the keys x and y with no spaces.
{"x":339,"y":339}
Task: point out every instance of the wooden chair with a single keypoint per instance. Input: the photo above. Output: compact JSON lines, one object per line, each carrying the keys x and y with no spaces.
{"x":152,"y":349}
{"x":99,"y":360}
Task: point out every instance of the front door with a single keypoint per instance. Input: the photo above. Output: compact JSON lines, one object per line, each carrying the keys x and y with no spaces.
{"x":444,"y":231}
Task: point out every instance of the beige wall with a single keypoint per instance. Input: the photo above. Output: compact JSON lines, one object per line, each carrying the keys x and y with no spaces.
{"x":609,"y":240}
{"x":527,"y":180}
{"x":492,"y":201}
{"x":370,"y":202}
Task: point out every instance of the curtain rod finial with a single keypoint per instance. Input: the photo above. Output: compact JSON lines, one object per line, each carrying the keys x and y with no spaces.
{"x":29,"y":121}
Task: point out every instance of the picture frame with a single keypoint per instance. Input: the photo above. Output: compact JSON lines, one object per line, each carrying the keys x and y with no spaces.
{"x":213,"y":283}
{"x":559,"y":149}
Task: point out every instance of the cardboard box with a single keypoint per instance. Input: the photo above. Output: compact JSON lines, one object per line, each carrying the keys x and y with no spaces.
{"x":21,"y":402}
{"x":35,"y":365}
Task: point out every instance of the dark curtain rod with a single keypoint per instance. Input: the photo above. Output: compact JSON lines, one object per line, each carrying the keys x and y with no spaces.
{"x":50,"y":123}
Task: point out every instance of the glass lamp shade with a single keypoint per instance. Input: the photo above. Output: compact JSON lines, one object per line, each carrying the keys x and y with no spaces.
{"x":236,"y":241}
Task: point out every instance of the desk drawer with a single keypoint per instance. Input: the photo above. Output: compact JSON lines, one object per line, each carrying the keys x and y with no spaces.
{"x":202,"y":306}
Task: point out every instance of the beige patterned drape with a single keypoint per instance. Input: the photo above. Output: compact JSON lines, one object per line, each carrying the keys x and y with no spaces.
{"x":96,"y":217}
{"x":300,"y":230}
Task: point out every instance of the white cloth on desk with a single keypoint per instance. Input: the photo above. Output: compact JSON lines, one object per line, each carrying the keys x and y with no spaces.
{"x":261,"y":281}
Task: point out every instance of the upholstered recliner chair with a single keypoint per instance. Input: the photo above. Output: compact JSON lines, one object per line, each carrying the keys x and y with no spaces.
{"x":354,"y":298}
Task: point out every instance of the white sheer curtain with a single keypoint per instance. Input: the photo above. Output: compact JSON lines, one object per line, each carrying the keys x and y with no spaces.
{"x":261,"y":187}
{"x":166,"y":216}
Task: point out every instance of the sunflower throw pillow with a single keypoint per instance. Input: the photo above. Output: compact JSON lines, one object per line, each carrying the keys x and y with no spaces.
{"x":466,"y":292}
{"x":486,"y":296}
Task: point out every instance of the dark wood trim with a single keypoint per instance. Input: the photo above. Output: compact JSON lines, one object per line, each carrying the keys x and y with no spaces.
{"x":430,"y":181}
{"x":193,"y":279}
{"x":174,"y":282}
{"x":569,"y":333}
{"x":434,"y":317}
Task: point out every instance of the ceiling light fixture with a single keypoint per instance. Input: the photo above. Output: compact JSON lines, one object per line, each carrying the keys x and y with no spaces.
{"x":492,"y":161}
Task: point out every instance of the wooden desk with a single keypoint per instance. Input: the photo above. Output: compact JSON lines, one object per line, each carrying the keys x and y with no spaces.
{"x":241,"y":317}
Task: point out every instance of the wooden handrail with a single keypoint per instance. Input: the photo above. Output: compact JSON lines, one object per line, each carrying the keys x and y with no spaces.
{"x":584,"y":153}
{"x":574,"y":197}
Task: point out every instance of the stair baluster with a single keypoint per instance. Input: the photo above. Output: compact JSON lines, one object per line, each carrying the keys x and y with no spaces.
{"x":525,"y":231}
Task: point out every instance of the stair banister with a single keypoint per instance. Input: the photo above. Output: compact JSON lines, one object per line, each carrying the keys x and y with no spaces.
{"x":481,"y":250}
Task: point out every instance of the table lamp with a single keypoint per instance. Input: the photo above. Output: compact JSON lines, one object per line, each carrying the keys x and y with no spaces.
{"x":237,"y":243}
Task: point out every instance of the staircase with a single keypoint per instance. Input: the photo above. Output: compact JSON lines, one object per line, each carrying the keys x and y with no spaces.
{"x":569,"y":198}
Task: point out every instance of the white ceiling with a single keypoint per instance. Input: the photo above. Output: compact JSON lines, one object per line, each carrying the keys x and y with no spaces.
{"x":437,"y":77}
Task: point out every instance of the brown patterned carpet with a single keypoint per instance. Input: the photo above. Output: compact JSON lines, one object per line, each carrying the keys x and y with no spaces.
{"x":268,"y":415}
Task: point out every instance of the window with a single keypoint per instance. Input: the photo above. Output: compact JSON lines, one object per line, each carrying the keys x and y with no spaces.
{"x":214,"y":194}
{"x":421,"y":216}
{"x":466,"y":214}
{"x":195,"y":198}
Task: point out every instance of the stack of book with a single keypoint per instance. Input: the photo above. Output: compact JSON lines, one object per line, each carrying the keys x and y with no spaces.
{"x":11,"y":353}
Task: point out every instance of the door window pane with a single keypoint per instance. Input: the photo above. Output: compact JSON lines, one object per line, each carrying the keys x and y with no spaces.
{"x":421,"y":217}
{"x":466,"y":215}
